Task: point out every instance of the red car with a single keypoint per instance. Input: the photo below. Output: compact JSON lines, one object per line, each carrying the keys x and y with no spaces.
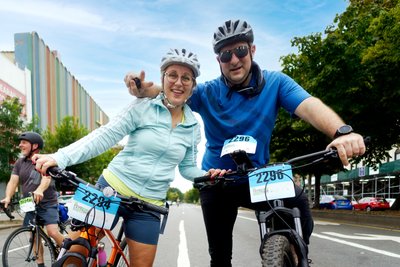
{"x":371,"y":203}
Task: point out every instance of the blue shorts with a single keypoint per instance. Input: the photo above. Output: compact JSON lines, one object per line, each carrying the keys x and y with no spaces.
{"x":143,"y":227}
{"x":48,"y":215}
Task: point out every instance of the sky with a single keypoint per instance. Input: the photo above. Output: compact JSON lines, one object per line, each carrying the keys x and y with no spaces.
{"x":99,"y":41}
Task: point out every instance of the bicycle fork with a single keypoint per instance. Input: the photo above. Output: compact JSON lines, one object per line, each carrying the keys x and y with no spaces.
{"x":34,"y":245}
{"x":266,"y":221}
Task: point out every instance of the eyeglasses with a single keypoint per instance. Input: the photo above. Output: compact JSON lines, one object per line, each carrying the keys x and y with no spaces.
{"x":240,"y":52}
{"x":173,"y":78}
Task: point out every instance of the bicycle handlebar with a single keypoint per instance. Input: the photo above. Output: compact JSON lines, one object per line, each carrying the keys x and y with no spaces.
{"x":312,"y":157}
{"x":6,"y":211}
{"x":60,"y":174}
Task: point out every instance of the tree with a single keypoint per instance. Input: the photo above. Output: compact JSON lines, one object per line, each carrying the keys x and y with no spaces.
{"x":11,"y":125}
{"x":354,"y":69}
{"x":173,"y":194}
{"x":192,"y":196}
{"x":69,"y":131}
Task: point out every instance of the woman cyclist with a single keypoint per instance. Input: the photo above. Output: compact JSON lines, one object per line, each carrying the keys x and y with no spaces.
{"x":162,"y":134}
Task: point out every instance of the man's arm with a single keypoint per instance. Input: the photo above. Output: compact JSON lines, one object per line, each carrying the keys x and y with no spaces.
{"x":44,"y":184}
{"x":324,"y":119}
{"x":146,"y":89}
{"x":10,"y":189}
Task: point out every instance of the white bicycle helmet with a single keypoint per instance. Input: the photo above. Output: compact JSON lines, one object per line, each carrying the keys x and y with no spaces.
{"x":232,"y":31}
{"x":182,"y":57}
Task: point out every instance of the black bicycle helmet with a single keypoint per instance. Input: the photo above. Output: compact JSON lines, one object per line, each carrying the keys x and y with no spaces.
{"x":232,"y":31}
{"x":33,"y":138}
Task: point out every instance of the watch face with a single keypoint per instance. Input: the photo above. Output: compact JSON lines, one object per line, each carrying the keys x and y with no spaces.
{"x":345,"y":129}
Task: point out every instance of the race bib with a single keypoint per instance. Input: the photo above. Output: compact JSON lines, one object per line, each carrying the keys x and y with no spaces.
{"x":271,"y":182}
{"x":239,"y":142}
{"x":27,"y":204}
{"x":90,"y":205}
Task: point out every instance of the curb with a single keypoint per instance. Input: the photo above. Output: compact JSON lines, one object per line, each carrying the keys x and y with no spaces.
{"x":386,"y":221}
{"x":9,"y":225}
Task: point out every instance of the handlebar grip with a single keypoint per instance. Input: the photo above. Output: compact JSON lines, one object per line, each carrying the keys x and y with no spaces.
{"x":202,"y":179}
{"x":155,"y":208}
{"x":7,"y":211}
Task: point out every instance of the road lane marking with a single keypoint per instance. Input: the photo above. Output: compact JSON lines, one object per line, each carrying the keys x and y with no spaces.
{"x":383,"y":252}
{"x":359,"y":236}
{"x":183,"y":255}
{"x":325,"y":223}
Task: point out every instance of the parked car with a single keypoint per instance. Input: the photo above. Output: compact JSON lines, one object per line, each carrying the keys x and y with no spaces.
{"x":371,"y":203}
{"x":334,"y":202}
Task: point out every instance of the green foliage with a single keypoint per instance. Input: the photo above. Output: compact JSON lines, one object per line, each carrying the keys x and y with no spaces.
{"x":173,"y":194}
{"x":11,"y":126}
{"x":354,"y":69}
{"x":192,"y":196}
{"x":33,"y":125}
{"x":69,"y":131}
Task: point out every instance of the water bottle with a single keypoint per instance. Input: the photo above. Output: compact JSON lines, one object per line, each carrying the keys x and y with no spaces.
{"x":101,"y":255}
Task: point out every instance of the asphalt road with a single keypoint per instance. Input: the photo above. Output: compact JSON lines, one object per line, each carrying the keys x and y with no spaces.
{"x":184,"y":242}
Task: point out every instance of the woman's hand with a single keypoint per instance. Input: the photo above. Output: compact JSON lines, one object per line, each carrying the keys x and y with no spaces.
{"x":137,"y":85}
{"x":217,"y":172}
{"x":43,"y":162}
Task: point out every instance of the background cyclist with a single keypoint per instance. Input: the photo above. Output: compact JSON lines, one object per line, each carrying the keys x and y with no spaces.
{"x":44,"y":190}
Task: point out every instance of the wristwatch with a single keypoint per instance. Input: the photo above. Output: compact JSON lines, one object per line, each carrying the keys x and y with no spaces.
{"x":343,"y":130}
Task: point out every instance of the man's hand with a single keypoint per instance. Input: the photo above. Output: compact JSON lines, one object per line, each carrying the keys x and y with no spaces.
{"x":38,"y":194}
{"x":132,"y":85}
{"x":6,"y":201}
{"x":348,"y":146}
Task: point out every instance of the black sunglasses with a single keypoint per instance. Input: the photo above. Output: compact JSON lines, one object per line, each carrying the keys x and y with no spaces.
{"x":240,"y":52}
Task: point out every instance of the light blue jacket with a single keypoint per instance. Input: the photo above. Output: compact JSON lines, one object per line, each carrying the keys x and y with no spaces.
{"x":147,"y":163}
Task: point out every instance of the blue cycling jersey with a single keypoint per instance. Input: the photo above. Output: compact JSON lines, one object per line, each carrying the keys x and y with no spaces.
{"x":227,"y":114}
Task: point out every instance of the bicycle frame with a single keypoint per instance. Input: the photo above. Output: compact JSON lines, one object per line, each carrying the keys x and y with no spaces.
{"x":279,"y":226}
{"x":91,"y":235}
{"x":89,"y":238}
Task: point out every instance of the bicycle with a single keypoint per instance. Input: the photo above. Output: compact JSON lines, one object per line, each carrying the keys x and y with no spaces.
{"x":95,"y":222}
{"x":280,"y":229}
{"x":20,"y":247}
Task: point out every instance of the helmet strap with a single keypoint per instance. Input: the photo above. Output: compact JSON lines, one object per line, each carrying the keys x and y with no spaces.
{"x":167,"y":102}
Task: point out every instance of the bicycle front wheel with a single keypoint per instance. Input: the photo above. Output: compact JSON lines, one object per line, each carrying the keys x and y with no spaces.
{"x":119,"y":260}
{"x":20,"y":249}
{"x":278,"y":253}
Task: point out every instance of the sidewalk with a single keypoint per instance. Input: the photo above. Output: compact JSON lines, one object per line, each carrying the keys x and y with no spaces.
{"x":6,"y":223}
{"x":387,"y":219}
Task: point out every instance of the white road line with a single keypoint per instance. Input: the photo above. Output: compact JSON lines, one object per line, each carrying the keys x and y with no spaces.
{"x":183,"y":256}
{"x":386,"y":253}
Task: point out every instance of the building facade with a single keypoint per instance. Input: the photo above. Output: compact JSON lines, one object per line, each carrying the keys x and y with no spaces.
{"x":37,"y":76}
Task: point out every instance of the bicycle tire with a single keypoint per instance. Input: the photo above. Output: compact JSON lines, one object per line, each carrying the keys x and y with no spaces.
{"x":119,"y":261}
{"x":277,"y":252}
{"x":17,"y":247}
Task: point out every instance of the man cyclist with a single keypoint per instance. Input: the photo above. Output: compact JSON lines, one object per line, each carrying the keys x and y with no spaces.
{"x":245,"y":100}
{"x":42,"y":187}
